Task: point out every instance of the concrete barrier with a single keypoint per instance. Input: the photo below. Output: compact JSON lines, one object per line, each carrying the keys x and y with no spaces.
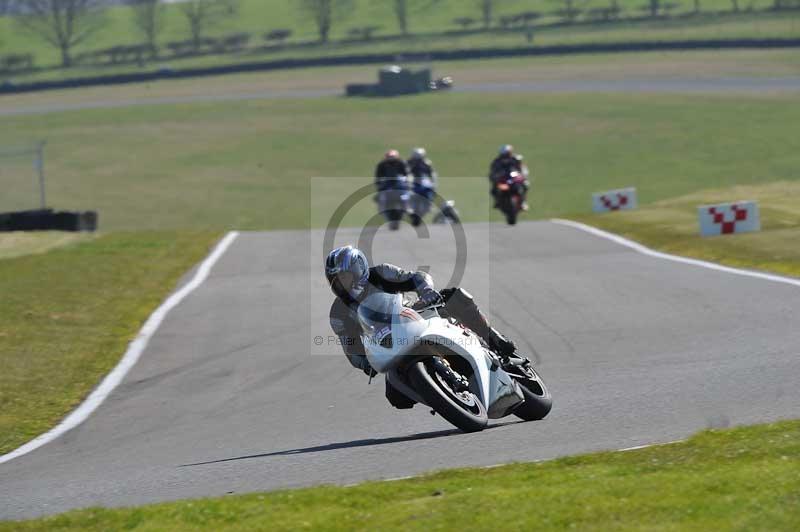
{"x":623,"y":199}
{"x":48,"y":220}
{"x":729,"y":218}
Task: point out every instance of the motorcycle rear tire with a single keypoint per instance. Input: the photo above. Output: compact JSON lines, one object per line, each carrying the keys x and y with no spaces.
{"x":436,"y":398}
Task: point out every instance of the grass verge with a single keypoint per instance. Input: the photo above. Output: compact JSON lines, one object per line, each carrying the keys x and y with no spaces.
{"x":248,"y":164}
{"x":740,"y":479}
{"x":671,"y":225}
{"x":68,"y":315}
{"x":18,"y":244}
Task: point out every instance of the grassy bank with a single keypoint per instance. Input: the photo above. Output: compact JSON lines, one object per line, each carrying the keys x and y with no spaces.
{"x":671,"y":225}
{"x":68,"y":315}
{"x":740,"y":27}
{"x":740,"y":479}
{"x":248,"y":164}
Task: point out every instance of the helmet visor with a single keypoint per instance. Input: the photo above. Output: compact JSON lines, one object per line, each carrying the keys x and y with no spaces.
{"x":342,"y":283}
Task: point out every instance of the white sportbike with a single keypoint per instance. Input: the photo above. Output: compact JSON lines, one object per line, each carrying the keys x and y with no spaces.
{"x":432,"y":360}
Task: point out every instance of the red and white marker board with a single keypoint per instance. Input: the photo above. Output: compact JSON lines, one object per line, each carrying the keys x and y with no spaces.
{"x":729,"y":218}
{"x":614,"y":200}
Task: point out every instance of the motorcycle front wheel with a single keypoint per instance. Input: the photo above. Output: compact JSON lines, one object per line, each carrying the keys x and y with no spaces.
{"x":538,"y":400}
{"x":509,"y":209}
{"x":463,"y":409}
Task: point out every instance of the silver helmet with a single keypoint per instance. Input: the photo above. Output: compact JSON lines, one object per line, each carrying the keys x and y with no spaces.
{"x":347,"y":271}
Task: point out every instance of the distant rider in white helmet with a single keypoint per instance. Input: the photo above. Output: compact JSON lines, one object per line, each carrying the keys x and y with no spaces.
{"x":421,"y":167}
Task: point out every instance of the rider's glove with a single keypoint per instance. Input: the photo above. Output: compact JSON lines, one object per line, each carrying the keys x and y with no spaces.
{"x":426,"y":299}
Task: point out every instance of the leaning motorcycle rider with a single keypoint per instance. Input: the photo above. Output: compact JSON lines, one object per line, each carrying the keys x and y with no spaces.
{"x":352,"y":280}
{"x":506,"y":162}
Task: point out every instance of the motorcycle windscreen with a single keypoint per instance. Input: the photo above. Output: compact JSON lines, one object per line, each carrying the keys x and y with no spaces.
{"x":375,"y":317}
{"x":390,"y":330}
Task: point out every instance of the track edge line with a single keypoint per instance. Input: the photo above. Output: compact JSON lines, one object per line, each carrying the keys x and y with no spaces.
{"x":135,"y":349}
{"x":640,"y":248}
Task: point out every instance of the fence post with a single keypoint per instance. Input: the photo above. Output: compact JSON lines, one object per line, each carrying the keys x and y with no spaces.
{"x":39,"y":166}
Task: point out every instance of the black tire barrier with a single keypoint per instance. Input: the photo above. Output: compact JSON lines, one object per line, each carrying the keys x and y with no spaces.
{"x":369,"y":59}
{"x":48,"y":220}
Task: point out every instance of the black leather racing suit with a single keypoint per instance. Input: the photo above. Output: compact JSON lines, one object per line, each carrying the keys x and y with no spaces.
{"x":392,"y":279}
{"x":422,"y":168}
{"x":504,"y":165}
{"x":387,"y":171}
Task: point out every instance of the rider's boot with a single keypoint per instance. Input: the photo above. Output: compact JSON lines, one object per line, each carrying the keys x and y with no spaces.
{"x":499,"y":343}
{"x":461,"y":306}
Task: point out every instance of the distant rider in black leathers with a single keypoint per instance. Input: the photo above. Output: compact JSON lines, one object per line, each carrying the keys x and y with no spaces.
{"x":352,"y":280}
{"x":389,"y":169}
{"x":506,"y":162}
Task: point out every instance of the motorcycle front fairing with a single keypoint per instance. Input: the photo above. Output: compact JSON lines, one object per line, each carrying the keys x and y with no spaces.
{"x":389,"y":330}
{"x":495,"y":388}
{"x":395,"y":335}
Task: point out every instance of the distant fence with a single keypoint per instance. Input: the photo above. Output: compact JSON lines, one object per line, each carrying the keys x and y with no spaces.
{"x":368,"y":59}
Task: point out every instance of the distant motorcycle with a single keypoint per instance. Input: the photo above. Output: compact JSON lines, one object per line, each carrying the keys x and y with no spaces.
{"x":430,"y":359}
{"x":420,"y":202}
{"x":393,"y":200}
{"x":441,"y":84}
{"x":510,"y":189}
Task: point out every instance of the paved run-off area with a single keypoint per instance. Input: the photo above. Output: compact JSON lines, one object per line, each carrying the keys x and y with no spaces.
{"x":635,"y":350}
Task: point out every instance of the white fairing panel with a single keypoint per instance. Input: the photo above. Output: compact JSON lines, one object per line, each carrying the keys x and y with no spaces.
{"x":392,"y":331}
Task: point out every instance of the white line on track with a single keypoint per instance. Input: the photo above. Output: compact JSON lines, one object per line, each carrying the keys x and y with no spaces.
{"x":135,"y":349}
{"x":675,"y":258}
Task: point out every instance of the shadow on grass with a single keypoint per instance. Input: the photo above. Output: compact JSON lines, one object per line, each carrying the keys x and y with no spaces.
{"x":370,"y":442}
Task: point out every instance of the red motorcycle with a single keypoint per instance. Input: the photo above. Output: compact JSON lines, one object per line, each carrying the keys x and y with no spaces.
{"x":510,"y":190}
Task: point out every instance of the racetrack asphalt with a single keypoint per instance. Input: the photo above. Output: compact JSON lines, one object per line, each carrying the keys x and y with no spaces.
{"x":233,"y":396}
{"x":653,"y":85}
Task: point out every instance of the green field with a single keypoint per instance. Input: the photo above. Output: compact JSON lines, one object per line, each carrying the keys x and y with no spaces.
{"x":68,"y":315}
{"x":426,"y":26}
{"x":708,"y":64}
{"x":247,"y":165}
{"x":740,"y":479}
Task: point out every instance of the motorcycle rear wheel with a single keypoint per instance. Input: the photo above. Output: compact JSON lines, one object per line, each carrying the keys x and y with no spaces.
{"x":468,"y":414}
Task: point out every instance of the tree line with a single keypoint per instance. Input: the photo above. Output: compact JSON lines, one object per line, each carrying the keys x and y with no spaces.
{"x":65,"y":24}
